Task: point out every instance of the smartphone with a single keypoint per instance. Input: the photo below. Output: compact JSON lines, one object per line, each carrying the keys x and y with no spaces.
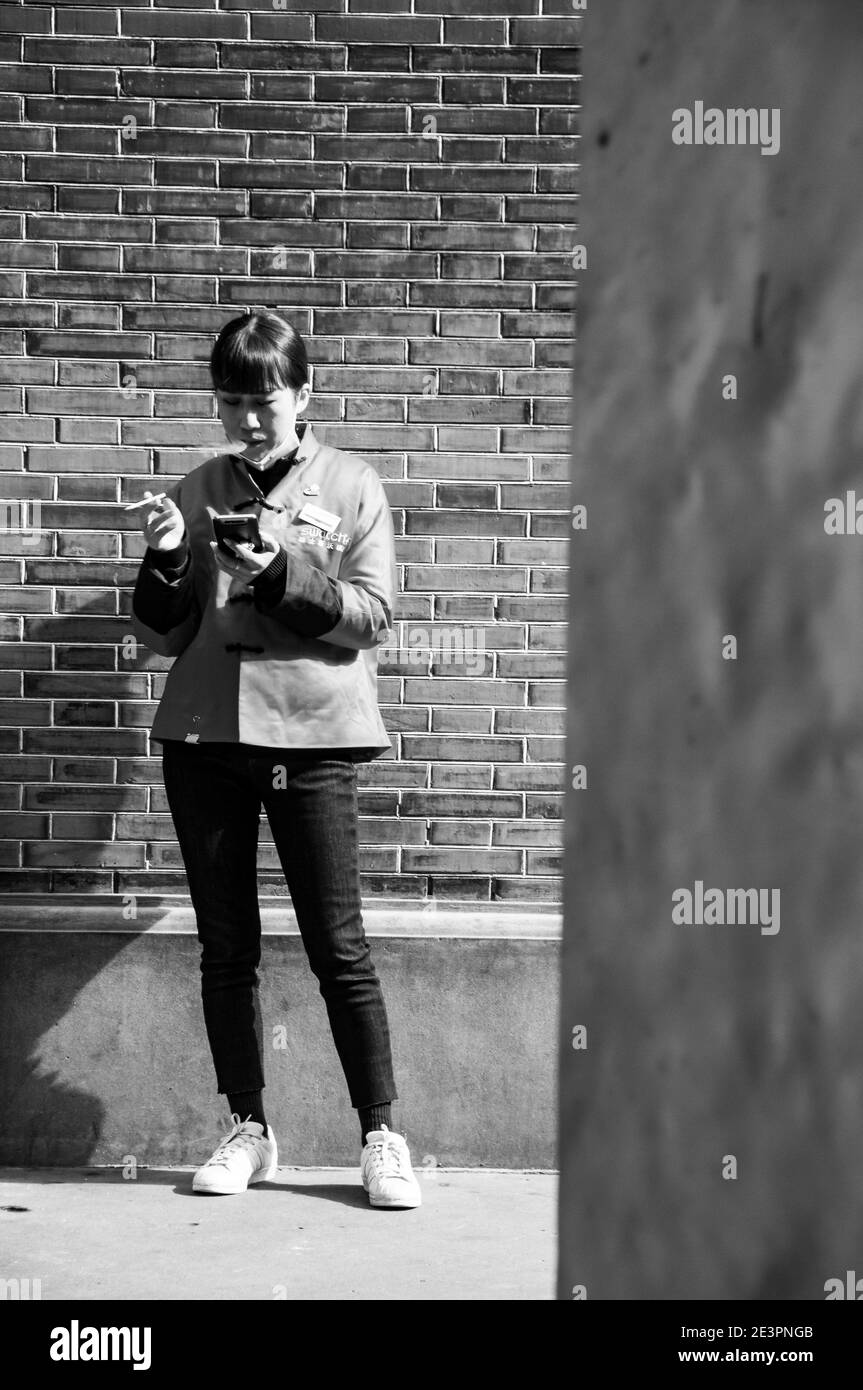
{"x":236,"y":526}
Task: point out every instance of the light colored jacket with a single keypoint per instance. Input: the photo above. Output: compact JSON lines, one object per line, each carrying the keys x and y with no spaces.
{"x":298,"y":692}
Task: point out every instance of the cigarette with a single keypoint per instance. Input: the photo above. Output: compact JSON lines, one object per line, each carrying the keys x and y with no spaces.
{"x":145,"y":502}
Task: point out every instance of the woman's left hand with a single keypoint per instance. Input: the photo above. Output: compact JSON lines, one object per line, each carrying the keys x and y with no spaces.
{"x":252,"y":563}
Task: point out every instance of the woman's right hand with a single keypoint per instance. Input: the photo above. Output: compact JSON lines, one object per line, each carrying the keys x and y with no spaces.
{"x":162,"y":524}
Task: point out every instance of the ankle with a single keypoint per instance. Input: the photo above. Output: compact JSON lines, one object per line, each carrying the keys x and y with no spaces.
{"x":374,"y":1117}
{"x":249,"y":1105}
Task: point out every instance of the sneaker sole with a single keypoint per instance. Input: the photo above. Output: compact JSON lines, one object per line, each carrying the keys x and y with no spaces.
{"x":262,"y":1175}
{"x":406,"y":1204}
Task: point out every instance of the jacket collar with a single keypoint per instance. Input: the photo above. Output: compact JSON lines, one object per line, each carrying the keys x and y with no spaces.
{"x":309,"y":446}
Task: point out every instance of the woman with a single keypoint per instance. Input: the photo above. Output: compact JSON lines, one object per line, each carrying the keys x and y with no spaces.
{"x":272,"y":700}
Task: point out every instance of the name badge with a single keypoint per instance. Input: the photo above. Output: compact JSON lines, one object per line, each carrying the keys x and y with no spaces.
{"x":320,"y":517}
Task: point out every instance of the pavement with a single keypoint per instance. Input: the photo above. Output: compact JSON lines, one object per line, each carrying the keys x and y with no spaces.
{"x":92,"y":1233}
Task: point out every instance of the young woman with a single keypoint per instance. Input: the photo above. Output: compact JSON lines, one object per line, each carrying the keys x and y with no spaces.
{"x":272,"y":700}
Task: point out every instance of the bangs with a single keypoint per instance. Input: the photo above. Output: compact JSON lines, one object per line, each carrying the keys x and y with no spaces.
{"x":257,"y":353}
{"x":250,"y":367}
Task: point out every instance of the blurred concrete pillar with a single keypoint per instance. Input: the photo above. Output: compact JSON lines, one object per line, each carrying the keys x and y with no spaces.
{"x":714,"y":1049}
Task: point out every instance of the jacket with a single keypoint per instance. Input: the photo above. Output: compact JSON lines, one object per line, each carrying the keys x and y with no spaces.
{"x":290,"y":659}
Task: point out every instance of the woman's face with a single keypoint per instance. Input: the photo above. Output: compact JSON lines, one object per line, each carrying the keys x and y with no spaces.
{"x":260,"y":426}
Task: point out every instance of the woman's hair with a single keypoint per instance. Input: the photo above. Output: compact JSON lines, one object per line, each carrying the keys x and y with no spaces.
{"x":258,"y":352}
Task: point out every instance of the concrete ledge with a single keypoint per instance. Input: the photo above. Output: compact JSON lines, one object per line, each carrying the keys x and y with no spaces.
{"x":20,"y":912}
{"x":103,"y":1052}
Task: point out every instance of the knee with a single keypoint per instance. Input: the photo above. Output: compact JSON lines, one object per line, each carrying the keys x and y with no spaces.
{"x":219,"y":961}
{"x":341,"y":965}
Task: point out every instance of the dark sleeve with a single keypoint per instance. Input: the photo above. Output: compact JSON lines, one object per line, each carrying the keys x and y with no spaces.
{"x":298,"y":594}
{"x":164,"y":591}
{"x":173,"y":563}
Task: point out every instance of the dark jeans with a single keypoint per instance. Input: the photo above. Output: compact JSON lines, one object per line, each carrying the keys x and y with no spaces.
{"x":215,"y":798}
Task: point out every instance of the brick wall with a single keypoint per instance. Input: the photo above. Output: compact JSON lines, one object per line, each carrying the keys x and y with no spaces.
{"x":400,"y":183}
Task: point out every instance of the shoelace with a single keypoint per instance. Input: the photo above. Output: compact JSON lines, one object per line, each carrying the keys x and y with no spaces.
{"x":390,"y":1151}
{"x":236,"y":1137}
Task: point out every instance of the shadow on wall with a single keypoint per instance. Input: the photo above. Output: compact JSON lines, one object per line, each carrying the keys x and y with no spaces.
{"x":103,"y":1052}
{"x":63,"y":997}
{"x":47,"y":1119}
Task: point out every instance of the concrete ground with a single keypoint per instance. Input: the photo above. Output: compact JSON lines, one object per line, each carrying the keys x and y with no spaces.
{"x":308,"y":1234}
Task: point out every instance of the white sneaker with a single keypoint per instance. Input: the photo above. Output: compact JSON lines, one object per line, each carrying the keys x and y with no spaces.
{"x":244,"y":1157}
{"x":386,"y":1170}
